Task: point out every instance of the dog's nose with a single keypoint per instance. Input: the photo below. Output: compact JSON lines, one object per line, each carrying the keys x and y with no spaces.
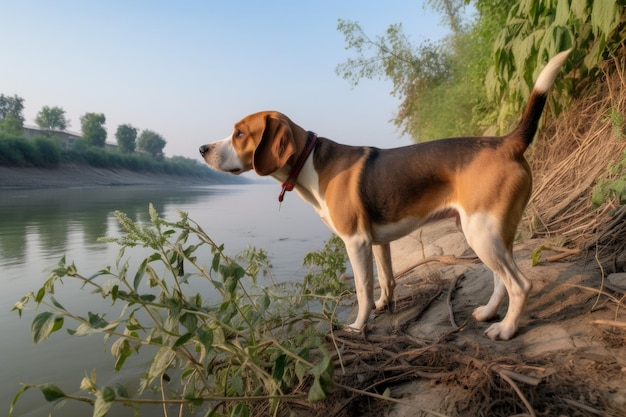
{"x":204,"y":149}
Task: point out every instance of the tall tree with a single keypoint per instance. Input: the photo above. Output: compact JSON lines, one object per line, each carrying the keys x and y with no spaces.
{"x":152,"y":143}
{"x":441,"y":85}
{"x":126,"y":136}
{"x":11,"y":125}
{"x":92,"y":125}
{"x":12,"y":106}
{"x":51,"y":118}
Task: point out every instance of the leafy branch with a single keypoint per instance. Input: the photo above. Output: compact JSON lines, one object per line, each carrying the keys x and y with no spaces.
{"x":254,"y":345}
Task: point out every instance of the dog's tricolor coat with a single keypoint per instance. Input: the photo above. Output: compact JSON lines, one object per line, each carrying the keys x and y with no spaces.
{"x":370,"y":197}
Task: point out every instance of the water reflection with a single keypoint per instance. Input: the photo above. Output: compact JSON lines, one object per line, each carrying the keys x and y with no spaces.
{"x":38,"y":227}
{"x":55,"y":217}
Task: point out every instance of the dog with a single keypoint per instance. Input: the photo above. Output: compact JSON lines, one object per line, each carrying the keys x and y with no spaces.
{"x":370,"y":197}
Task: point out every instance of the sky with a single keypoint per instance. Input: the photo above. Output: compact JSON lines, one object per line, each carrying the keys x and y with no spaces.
{"x":189,"y":70}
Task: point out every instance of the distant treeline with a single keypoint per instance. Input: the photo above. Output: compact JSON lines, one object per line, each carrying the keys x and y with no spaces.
{"x":46,"y":152}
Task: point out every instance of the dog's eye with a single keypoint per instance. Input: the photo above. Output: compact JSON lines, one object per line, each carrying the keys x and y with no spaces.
{"x":238,"y":134}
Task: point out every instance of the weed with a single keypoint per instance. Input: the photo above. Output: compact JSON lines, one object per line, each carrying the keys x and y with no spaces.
{"x":255,"y":347}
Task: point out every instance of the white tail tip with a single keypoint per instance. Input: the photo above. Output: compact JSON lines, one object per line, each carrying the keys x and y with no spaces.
{"x":549,"y":73}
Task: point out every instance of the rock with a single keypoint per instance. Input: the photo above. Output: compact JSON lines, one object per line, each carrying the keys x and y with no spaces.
{"x":544,"y":339}
{"x":617,"y":280}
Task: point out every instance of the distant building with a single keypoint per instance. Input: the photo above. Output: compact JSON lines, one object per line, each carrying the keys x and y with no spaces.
{"x":65,"y":138}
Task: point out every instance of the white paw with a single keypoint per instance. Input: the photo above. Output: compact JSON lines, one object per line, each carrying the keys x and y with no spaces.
{"x":500,"y":331}
{"x":483,"y":313}
{"x":382,"y":305}
{"x":351,"y":328}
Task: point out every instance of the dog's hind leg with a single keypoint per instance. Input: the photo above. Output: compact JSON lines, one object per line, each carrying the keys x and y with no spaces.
{"x":382,"y":253}
{"x":483,"y":234}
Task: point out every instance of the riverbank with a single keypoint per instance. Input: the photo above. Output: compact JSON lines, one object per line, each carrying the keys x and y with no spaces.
{"x":568,"y":357}
{"x":77,"y":176}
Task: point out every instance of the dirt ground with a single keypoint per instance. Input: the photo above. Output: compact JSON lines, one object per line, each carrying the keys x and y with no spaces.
{"x":566,"y":360}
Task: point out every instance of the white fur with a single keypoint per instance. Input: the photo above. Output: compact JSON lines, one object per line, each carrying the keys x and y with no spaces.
{"x":549,"y":73}
{"x":222,"y":156}
{"x":359,"y":250}
{"x":482,"y":231}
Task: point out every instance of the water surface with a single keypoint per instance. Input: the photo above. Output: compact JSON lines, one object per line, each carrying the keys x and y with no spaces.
{"x":39,"y":226}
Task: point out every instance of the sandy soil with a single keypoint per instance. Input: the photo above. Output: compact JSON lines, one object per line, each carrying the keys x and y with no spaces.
{"x":564,"y":361}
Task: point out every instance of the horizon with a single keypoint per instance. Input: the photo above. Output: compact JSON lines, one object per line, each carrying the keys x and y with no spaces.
{"x":190,"y":71}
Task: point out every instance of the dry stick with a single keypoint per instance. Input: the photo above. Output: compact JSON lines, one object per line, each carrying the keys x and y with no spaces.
{"x":602,"y":281}
{"x":519,"y":392}
{"x":582,"y":406}
{"x":564,"y":254}
{"x":613,"y":323}
{"x":529,"y":380}
{"x":444,"y":259}
{"x":394,"y":400}
{"x":617,"y":301}
{"x":449,"y":299}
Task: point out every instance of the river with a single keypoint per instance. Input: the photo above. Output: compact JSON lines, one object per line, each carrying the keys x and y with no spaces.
{"x":39,"y":226}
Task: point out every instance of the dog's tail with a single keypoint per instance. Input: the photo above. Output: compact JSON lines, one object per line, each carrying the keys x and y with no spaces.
{"x":525,"y":131}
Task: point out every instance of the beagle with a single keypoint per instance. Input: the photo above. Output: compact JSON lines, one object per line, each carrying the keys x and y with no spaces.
{"x":370,"y":197}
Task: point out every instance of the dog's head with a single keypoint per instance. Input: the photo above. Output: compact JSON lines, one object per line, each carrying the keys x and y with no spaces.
{"x":261,"y":141}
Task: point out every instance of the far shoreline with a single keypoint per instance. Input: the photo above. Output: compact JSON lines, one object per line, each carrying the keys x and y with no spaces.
{"x":82,"y":176}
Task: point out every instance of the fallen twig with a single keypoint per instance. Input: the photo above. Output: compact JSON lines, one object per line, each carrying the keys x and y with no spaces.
{"x":449,"y":299}
{"x":583,"y":406}
{"x":612,"y":323}
{"x":529,"y":380}
{"x":564,"y":253}
{"x":444,"y":259}
{"x":504,"y":375}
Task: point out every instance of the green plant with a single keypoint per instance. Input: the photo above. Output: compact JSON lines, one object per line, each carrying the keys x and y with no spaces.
{"x":535,"y":31}
{"x":326,"y":268}
{"x":253,"y":345}
{"x":612,"y":188}
{"x":48,"y":150}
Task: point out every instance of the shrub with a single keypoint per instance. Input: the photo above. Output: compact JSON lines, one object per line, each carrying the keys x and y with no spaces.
{"x":48,"y":150}
{"x":18,"y":151}
{"x":255,"y":345}
{"x":10,"y":154}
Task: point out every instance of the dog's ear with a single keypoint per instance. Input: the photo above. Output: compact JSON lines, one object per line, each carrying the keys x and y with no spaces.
{"x":275,"y":148}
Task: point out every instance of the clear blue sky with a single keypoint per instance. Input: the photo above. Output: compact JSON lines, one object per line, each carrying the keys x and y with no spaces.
{"x":190,"y":69}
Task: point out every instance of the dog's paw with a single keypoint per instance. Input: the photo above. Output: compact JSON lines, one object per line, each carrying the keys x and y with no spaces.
{"x":349,"y":328}
{"x":382,"y":306}
{"x":483,"y":313}
{"x":500,"y":331}
{"x":350,"y":332}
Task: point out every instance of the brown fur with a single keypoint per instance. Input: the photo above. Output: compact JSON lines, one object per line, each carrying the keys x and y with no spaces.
{"x":370,"y":196}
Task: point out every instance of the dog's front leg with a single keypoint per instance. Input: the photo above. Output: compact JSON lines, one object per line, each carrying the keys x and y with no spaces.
{"x":382,"y":253}
{"x":360,"y":254}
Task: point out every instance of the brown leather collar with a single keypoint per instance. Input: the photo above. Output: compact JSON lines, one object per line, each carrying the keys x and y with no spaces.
{"x":293,"y":176}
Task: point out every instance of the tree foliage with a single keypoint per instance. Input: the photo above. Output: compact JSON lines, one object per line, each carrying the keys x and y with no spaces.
{"x":152,"y":143}
{"x":411,"y":69}
{"x":12,"y":106}
{"x":476,"y":80}
{"x":11,"y":125}
{"x":537,"y":30}
{"x":126,"y":136}
{"x":11,"y":114}
{"x":92,"y":125}
{"x":51,"y":118}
